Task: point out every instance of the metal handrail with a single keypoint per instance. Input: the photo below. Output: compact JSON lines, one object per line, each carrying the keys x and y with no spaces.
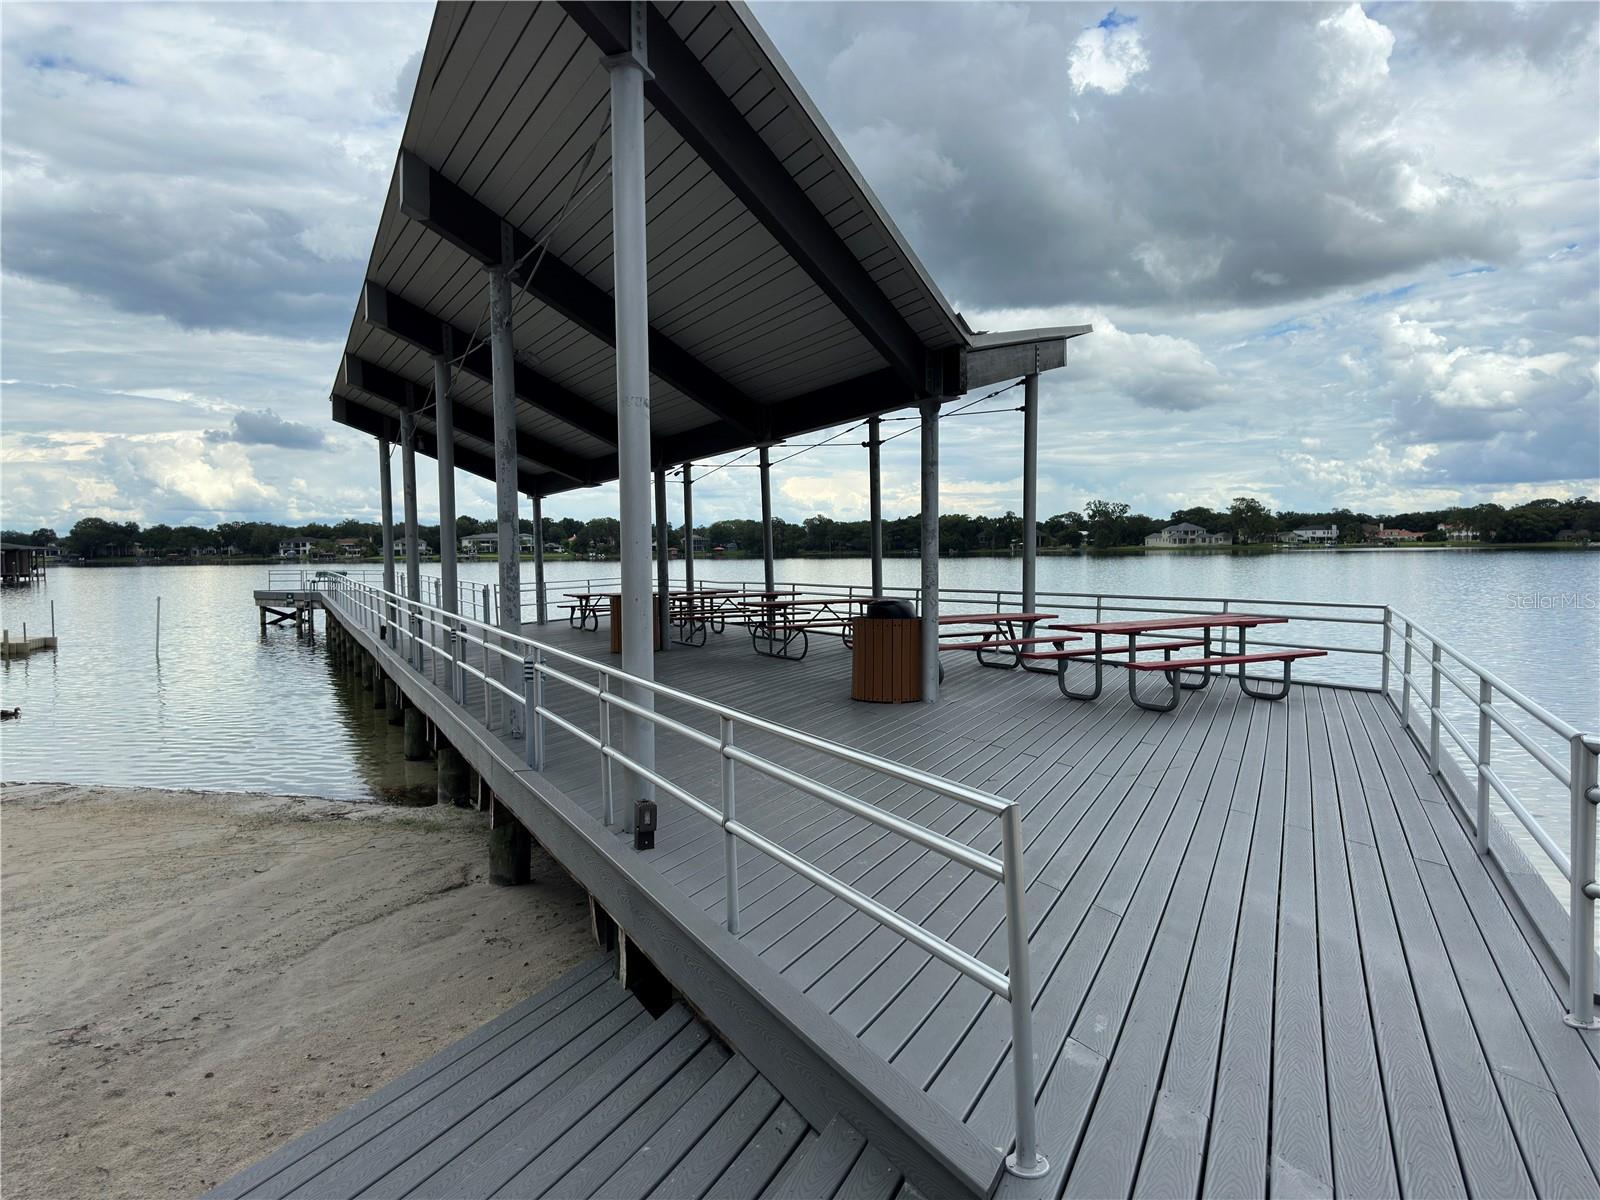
{"x":1489,"y":695}
{"x":398,"y":619}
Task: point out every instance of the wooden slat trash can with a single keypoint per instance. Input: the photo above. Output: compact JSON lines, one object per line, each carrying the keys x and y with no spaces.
{"x":886,"y":663}
{"x":616,"y":622}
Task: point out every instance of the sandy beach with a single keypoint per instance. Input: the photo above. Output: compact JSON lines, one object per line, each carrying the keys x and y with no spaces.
{"x":192,"y":978}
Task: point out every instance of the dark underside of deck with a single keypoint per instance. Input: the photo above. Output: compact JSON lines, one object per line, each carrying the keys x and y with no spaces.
{"x":1266,"y":958}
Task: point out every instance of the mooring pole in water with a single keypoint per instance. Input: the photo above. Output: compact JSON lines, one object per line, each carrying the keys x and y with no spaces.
{"x":158,"y":626}
{"x":52,"y":618}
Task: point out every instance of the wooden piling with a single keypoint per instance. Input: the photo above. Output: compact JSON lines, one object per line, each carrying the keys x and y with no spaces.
{"x":454,"y":785}
{"x":397,"y":701}
{"x":416,"y":743}
{"x":510,"y":849}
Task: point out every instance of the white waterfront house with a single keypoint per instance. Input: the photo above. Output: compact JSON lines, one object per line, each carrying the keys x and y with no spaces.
{"x":1313,"y":535}
{"x":1186,"y":533}
{"x":475,"y":544}
{"x":1458,"y":533}
{"x":296,"y":548}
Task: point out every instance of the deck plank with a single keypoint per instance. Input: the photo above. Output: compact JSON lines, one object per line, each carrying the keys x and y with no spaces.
{"x":1266,"y":960}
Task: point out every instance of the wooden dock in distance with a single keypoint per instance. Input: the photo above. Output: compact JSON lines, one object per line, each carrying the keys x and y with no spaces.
{"x":283,"y":606}
{"x":1267,"y":957}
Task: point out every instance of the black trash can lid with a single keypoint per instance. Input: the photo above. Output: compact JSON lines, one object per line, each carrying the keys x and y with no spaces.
{"x":886,"y":610}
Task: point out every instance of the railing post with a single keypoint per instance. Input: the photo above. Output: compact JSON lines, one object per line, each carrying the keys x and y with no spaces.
{"x":1405,"y":683}
{"x":1480,"y":834}
{"x":606,"y":792}
{"x":1432,"y":708}
{"x":730,"y":844}
{"x":1025,"y":1161}
{"x":455,"y":666}
{"x":530,"y":716}
{"x":1585,"y":801}
{"x":1388,"y":634}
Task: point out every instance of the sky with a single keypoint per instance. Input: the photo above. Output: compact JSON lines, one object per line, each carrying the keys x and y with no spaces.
{"x":1334,"y":255}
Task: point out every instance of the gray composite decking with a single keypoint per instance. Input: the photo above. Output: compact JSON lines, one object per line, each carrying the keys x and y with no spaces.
{"x":576,"y":1092}
{"x":1266,"y":958}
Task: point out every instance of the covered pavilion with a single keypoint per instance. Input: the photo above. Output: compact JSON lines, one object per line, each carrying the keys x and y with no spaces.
{"x":619,"y":238}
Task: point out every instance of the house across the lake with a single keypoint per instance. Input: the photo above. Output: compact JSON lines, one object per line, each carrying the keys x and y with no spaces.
{"x":1186,"y":533}
{"x":475,"y":544}
{"x":296,"y":548}
{"x":1312,"y":535}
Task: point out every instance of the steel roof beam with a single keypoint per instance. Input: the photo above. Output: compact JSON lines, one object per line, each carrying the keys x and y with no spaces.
{"x":415,"y":325}
{"x":355,"y":415}
{"x":684,"y":92}
{"x":433,"y":201}
{"x":395,"y":389}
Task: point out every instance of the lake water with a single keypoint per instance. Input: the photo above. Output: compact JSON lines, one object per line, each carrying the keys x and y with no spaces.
{"x":222,"y":708}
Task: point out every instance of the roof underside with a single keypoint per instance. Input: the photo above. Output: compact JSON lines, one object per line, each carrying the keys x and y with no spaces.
{"x":782,"y":299}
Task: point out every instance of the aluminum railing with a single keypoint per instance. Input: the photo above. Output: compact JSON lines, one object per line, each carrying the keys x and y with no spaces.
{"x":433,"y":639}
{"x":1496,"y":705}
{"x":1365,"y":620}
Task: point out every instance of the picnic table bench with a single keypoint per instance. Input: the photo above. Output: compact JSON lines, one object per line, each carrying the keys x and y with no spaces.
{"x":1126,"y":656}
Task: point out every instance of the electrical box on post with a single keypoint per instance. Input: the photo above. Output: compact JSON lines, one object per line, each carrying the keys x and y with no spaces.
{"x":644,"y":824}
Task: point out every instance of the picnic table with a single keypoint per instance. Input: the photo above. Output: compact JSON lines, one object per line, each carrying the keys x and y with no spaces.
{"x":1003,"y":637}
{"x":779,"y":624}
{"x":1126,"y":656}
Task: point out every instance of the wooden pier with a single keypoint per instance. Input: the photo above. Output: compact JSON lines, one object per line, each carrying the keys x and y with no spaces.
{"x":1267,"y":957}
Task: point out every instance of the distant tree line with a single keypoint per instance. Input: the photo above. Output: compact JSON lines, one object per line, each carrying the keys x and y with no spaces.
{"x":1105,"y":524}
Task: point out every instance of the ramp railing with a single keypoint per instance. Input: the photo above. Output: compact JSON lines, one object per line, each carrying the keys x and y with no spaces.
{"x":1537,"y":739}
{"x":516,"y":672}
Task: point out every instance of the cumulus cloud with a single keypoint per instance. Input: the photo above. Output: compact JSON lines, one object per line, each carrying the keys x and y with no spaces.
{"x":1107,"y":56}
{"x":267,"y":428}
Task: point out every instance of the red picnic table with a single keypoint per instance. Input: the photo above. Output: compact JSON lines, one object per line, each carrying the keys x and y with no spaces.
{"x":1126,"y":656}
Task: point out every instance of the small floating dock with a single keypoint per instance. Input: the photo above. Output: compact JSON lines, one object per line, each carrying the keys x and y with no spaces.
{"x":11,"y":647}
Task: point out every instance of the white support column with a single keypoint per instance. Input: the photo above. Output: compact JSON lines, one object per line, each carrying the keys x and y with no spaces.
{"x":386,"y":522}
{"x":688,"y":527}
{"x":445,"y":428}
{"x":541,"y":607}
{"x":875,"y":500}
{"x":408,"y":488}
{"x":502,"y":369}
{"x":930,"y":549}
{"x":631,"y":292}
{"x":408,"y":492}
{"x":766,"y":518}
{"x":663,"y":556}
{"x":1030,"y":492}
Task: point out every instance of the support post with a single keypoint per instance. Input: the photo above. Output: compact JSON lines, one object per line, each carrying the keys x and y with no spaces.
{"x":688,"y":527}
{"x":930,"y":549}
{"x":386,"y":520}
{"x":1437,"y":659}
{"x":630,"y":290}
{"x":510,"y":848}
{"x":730,"y":843}
{"x":1585,"y":802}
{"x":541,"y":610}
{"x":1030,"y":492}
{"x":875,"y":499}
{"x":766,"y":518}
{"x":408,"y":488}
{"x":1025,"y":1161}
{"x":416,"y":740}
{"x":1405,"y":681}
{"x":1480,"y":834}
{"x":663,"y":554}
{"x":445,"y":430}
{"x":452,"y":776}
{"x":503,"y":372}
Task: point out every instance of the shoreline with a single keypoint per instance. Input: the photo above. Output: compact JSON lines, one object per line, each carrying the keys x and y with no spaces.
{"x":188,"y":985}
